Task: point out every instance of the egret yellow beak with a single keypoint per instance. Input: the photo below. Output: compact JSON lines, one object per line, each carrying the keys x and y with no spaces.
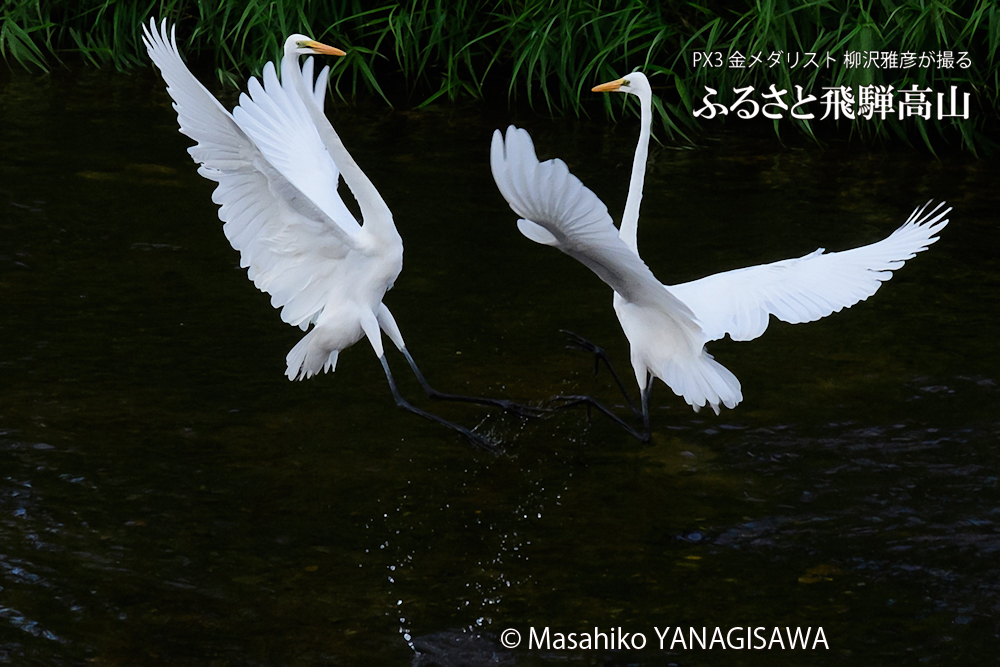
{"x":324,"y":49}
{"x":608,"y":87}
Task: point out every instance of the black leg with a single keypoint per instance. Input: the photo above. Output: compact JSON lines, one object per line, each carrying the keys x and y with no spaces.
{"x":509,"y":406}
{"x":473,"y":439}
{"x":578,"y":342}
{"x":647,"y":433}
{"x":571,"y":400}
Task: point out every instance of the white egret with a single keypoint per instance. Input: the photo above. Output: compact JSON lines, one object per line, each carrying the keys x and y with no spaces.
{"x":277,"y":161}
{"x":667,"y":327}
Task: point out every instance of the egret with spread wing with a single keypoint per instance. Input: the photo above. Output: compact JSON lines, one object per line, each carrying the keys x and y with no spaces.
{"x":277,"y":161}
{"x":668,"y":327}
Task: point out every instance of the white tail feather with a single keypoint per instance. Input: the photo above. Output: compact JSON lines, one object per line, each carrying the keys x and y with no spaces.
{"x":308,"y":358}
{"x":702,"y":381}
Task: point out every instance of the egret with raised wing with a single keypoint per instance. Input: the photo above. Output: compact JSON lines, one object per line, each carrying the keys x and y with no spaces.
{"x":277,"y":161}
{"x":668,"y":326}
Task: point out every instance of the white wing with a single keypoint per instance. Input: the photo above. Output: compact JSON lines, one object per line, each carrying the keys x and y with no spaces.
{"x":319,"y":88}
{"x":285,"y":239}
{"x":558,"y":210}
{"x":804,"y":289}
{"x":276,"y":120}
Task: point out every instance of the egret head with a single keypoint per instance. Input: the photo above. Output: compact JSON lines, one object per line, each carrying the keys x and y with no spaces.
{"x":635,"y":83}
{"x":300,"y":45}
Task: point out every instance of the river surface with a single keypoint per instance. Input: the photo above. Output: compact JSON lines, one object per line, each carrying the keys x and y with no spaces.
{"x":168,"y":497}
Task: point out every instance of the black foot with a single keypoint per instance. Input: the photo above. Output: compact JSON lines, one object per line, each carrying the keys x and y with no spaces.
{"x":572,"y":400}
{"x":510,"y":406}
{"x":474,"y":440}
{"x":575,"y":341}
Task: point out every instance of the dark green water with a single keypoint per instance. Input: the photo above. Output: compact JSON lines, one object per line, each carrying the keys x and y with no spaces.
{"x":168,"y":497}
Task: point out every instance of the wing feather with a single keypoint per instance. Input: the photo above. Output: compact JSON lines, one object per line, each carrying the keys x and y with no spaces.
{"x":276,"y":120}
{"x":288,"y":241}
{"x":547,"y":196}
{"x":804,"y":289}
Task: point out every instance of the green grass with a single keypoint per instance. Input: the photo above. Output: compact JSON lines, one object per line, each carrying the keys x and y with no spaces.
{"x":548,"y":54}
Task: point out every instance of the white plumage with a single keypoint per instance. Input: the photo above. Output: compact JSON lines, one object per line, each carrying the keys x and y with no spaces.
{"x":277,"y":161}
{"x":667,"y":327}
{"x":277,"y":192}
{"x":805,"y":289}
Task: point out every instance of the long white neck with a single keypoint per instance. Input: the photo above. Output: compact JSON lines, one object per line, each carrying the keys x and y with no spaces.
{"x":375,"y":212}
{"x":630,"y":218}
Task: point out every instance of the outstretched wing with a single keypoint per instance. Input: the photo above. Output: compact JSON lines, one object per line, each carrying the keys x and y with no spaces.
{"x":558,"y":210}
{"x":740,"y":302}
{"x":289,"y":242}
{"x":276,"y":120}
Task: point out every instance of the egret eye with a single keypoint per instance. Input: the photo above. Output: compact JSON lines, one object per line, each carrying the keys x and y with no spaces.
{"x":625,"y":82}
